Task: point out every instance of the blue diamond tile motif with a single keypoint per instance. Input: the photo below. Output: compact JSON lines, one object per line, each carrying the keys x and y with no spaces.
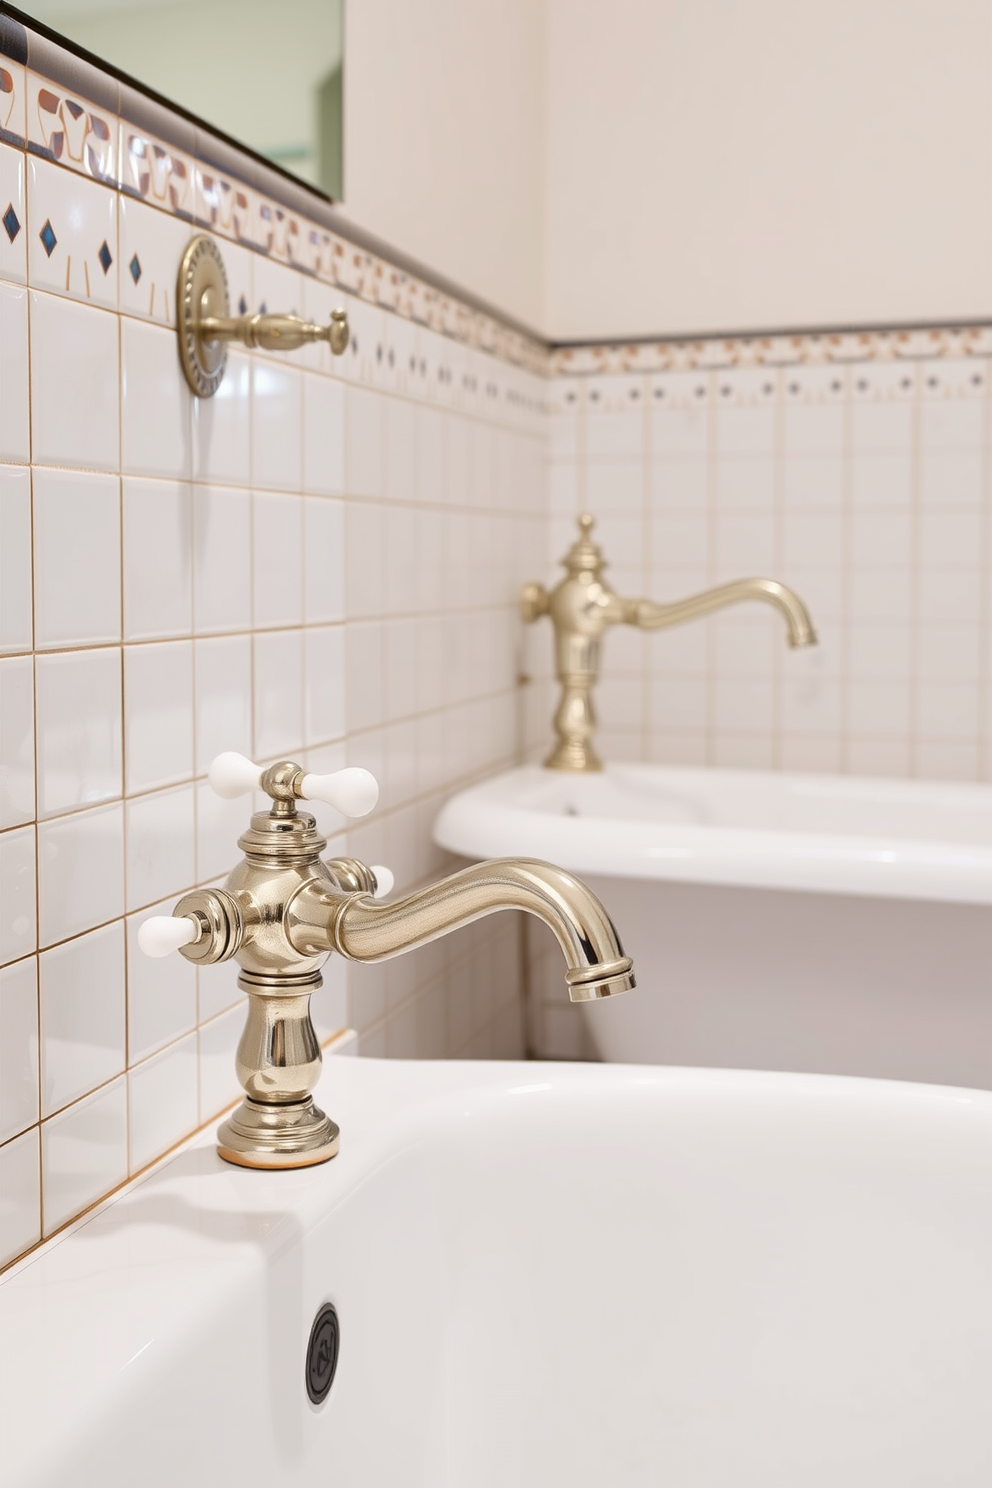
{"x":48,"y":238}
{"x":10,"y":222}
{"x":242,"y":306}
{"x":103,"y":254}
{"x":135,"y":267}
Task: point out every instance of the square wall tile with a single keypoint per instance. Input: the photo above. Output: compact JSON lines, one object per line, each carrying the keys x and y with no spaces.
{"x":77,"y":558}
{"x":13,"y":216}
{"x":278,"y":664}
{"x":157,"y":420}
{"x":84,"y":1154}
{"x":152,"y":243}
{"x":82,"y":1015}
{"x":161,"y":992}
{"x":324,"y":671}
{"x":72,"y":235}
{"x":20,"y":1196}
{"x":278,"y":559}
{"x":219,"y":824}
{"x":75,"y":384}
{"x":218,"y":1040}
{"x":222,"y":577}
{"x":158,"y":559}
{"x":16,"y":741}
{"x":323,"y":559}
{"x":18,"y":1047}
{"x":79,"y":729}
{"x":18,"y":931}
{"x":15,"y":557}
{"x":276,"y":426}
{"x":161,"y":839}
{"x":222,"y":427}
{"x":80,"y":872}
{"x":163,"y":1102}
{"x":158,"y":715}
{"x":15,"y":432}
{"x":323,"y":435}
{"x":222,"y":721}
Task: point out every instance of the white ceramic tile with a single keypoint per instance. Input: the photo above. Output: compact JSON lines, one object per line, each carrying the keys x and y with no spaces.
{"x":161,"y":993}
{"x":18,"y":1047}
{"x":278,"y":671}
{"x":152,"y":243}
{"x":161,"y":839}
{"x":15,"y":558}
{"x":223,"y":670}
{"x":947,"y":710}
{"x":16,"y":741}
{"x":158,"y":560}
{"x":323,"y":435}
{"x":158,"y":714}
{"x":363,"y":442}
{"x":221,"y":427}
{"x":13,"y":216}
{"x":77,"y":558}
{"x":222,"y":546}
{"x":80,"y":872}
{"x":72,"y":235}
{"x":18,"y":933}
{"x":363,"y":649}
{"x":15,"y":435}
{"x":217,"y":1042}
{"x":156,"y":426}
{"x":364,"y":559}
{"x":218,"y":990}
{"x":20,"y":1196}
{"x":324,"y":670}
{"x":329,"y":1004}
{"x":84,"y":1153}
{"x":278,"y":559}
{"x":81,"y":994}
{"x":75,"y":384}
{"x":163,"y":1101}
{"x":276,"y":426}
{"x":323,"y":559}
{"x":78,"y":701}
{"x":219,"y":824}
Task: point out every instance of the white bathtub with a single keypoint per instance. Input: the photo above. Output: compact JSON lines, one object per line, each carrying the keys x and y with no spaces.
{"x":776,"y":921}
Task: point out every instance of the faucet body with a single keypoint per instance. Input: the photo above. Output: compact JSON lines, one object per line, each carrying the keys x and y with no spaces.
{"x":283,"y":910}
{"x":582,"y":607}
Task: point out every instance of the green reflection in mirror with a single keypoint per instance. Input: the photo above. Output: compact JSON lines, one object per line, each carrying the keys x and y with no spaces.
{"x":269,"y":73}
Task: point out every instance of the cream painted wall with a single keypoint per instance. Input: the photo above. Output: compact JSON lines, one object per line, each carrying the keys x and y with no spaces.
{"x":444,"y":139}
{"x":716,"y":165}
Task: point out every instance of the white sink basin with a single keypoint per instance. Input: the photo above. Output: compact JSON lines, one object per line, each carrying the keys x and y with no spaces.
{"x":544,"y":1275}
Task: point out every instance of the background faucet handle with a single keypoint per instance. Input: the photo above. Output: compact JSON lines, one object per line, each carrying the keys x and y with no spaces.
{"x":160,"y":935}
{"x":384,"y":880}
{"x":352,"y":791}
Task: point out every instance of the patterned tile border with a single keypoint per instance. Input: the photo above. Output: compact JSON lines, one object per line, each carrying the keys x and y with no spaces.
{"x":62,"y":107}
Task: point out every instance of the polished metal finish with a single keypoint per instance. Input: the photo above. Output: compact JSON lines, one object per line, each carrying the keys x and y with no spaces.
{"x":206,"y":325}
{"x":283,"y":910}
{"x":582,"y":607}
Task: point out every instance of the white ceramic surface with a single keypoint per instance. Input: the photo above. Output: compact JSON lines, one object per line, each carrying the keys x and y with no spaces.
{"x":906,"y":839}
{"x":543,"y":1276}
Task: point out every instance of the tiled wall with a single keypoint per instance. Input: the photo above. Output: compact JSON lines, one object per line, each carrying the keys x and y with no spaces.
{"x":320,"y":563}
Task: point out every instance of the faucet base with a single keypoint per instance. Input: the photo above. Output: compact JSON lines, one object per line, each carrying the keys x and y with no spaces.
{"x":295,"y":1134}
{"x":575,"y":756}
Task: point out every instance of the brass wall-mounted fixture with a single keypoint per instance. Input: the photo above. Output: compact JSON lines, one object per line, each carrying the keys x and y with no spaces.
{"x":283,"y":910}
{"x":583,"y":607}
{"x":206,"y":324}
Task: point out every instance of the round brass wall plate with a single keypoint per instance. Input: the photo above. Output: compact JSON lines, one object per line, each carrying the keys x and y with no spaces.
{"x":201,"y":291}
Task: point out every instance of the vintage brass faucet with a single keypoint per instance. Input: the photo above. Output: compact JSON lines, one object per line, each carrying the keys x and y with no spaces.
{"x":582,"y":606}
{"x":283,"y":910}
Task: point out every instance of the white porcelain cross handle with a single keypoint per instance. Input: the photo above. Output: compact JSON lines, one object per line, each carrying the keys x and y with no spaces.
{"x":161,"y":934}
{"x":352,"y":791}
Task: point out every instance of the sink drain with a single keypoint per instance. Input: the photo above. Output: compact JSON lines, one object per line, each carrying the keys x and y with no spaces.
{"x":322,"y":1354}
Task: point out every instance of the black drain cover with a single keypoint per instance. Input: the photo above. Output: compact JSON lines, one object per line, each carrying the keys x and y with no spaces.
{"x":322,"y":1354}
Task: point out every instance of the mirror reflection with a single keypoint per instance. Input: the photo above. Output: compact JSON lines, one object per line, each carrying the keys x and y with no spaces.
{"x":270,"y":76}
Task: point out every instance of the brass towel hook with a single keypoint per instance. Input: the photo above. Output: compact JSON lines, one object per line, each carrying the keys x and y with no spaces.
{"x":206,"y":324}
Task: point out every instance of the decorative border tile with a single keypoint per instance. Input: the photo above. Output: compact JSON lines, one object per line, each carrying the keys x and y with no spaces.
{"x":156,"y":173}
{"x":12,"y":104}
{"x":71,"y":131}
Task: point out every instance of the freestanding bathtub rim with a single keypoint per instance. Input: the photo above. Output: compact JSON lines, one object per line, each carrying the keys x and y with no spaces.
{"x":547,"y":814}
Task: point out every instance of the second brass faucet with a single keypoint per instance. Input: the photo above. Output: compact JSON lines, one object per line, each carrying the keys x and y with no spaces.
{"x":582,"y":607}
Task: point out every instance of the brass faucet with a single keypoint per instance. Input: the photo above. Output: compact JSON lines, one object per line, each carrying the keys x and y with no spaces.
{"x":583,"y":606}
{"x":283,"y":910}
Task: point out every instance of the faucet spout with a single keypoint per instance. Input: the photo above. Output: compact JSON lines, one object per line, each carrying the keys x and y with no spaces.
{"x":647,"y":615}
{"x":321,"y":920}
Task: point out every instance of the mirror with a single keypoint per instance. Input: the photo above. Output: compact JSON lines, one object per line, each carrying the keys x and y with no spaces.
{"x":269,"y":75}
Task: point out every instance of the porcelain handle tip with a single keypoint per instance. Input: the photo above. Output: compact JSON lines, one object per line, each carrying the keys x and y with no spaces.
{"x":162,"y":934}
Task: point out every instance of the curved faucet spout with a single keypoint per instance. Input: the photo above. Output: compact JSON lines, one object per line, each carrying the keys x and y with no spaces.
{"x":319,"y":920}
{"x":647,"y":615}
